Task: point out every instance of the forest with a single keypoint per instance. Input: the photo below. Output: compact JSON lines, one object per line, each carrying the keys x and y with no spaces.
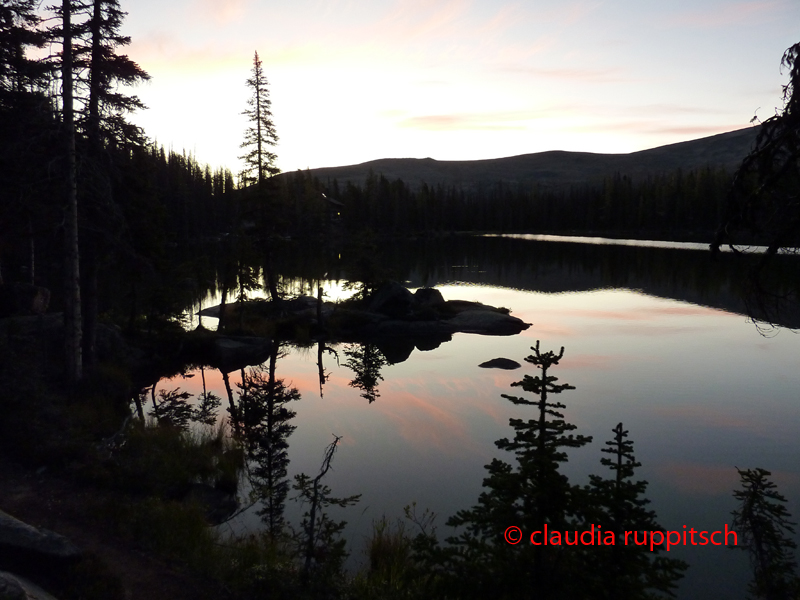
{"x":117,"y":237}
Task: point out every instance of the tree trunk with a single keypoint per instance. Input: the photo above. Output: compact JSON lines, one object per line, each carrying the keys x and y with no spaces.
{"x":90,"y":208}
{"x":72,"y":311}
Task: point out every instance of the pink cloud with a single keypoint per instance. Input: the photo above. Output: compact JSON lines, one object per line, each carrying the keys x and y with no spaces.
{"x":421,"y":423}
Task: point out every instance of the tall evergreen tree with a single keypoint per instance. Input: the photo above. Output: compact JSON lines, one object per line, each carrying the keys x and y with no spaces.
{"x":98,"y":70}
{"x":260,"y":134}
{"x":27,"y":131}
{"x":73,"y":327}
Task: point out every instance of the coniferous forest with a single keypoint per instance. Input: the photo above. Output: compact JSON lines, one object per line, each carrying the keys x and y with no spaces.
{"x":108,"y":242}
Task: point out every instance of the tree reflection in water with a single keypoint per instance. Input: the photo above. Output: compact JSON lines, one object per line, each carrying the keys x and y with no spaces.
{"x":262,"y":420}
{"x":366,"y":361}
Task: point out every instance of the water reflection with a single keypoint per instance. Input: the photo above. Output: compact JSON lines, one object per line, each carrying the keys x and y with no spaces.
{"x":262,"y":421}
{"x":694,"y":276}
{"x":697,"y":387}
{"x":366,"y":361}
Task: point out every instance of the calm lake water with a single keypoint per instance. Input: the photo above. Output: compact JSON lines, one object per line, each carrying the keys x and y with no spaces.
{"x":655,"y":338}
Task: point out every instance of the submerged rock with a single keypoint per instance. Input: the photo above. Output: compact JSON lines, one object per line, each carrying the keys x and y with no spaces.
{"x":500,"y":363}
{"x":231,"y":353}
{"x":487,"y":322}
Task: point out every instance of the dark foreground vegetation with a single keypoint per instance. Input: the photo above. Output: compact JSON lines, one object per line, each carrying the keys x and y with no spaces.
{"x":123,"y":237}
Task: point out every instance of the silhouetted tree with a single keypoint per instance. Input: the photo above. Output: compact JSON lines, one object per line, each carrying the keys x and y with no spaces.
{"x":479,"y":563}
{"x":763,"y":523}
{"x":260,"y":134}
{"x":28,"y":126}
{"x":72,"y":314}
{"x":535,"y":496}
{"x":617,"y":505}
{"x":107,"y":127}
{"x":763,"y":204}
{"x":765,"y":197}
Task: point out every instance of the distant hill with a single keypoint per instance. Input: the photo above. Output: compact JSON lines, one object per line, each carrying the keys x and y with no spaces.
{"x":554,"y":169}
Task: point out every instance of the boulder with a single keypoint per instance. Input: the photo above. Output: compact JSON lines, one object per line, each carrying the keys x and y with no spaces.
{"x":26,"y":549}
{"x":14,"y":587}
{"x":429,"y":297}
{"x":392,"y":299}
{"x":23,"y":299}
{"x":500,"y":363}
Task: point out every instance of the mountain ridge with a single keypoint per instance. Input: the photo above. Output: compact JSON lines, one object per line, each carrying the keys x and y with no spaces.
{"x":553,"y":169}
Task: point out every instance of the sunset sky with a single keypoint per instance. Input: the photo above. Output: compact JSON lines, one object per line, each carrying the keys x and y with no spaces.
{"x":356,"y":80}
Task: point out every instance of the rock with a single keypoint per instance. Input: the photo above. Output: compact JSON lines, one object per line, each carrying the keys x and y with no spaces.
{"x":392,"y":300}
{"x":28,"y":550}
{"x":500,"y":363}
{"x":487,"y":322}
{"x":429,"y":297}
{"x":23,"y":299}
{"x":14,"y":587}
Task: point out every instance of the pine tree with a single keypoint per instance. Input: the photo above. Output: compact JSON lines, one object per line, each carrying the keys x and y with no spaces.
{"x":106,"y":110}
{"x":763,"y":523}
{"x":479,"y":563}
{"x":19,"y":32}
{"x":260,"y":134}
{"x":98,"y":70}
{"x":27,"y":127}
{"x":625,"y":570}
{"x":73,"y":327}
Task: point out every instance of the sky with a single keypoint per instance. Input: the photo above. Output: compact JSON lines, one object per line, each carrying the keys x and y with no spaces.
{"x":357,"y":80}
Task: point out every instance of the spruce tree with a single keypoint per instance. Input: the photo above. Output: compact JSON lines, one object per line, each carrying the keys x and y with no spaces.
{"x":625,"y":569}
{"x":479,"y":562}
{"x":27,"y":128}
{"x":260,"y":134}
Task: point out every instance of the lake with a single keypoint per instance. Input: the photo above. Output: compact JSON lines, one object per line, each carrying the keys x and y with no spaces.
{"x":655,"y":338}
